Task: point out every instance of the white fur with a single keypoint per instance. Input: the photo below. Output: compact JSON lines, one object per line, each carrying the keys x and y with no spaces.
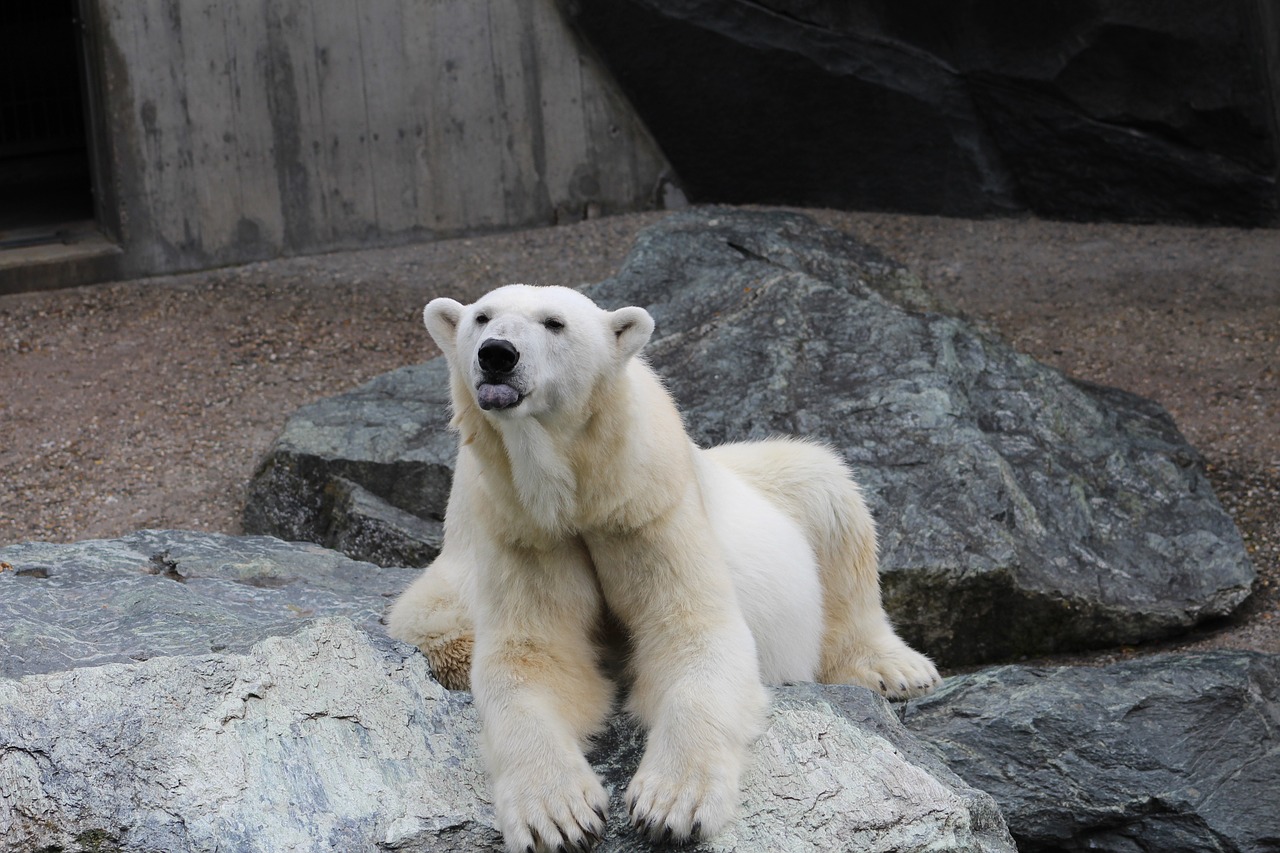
{"x":775,"y":573}
{"x":727,"y":568}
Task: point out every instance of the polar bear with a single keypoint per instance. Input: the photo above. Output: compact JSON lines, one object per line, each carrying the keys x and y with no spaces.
{"x":579,"y":501}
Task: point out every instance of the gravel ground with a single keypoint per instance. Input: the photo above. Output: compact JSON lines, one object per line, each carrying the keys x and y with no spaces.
{"x":148,"y":403}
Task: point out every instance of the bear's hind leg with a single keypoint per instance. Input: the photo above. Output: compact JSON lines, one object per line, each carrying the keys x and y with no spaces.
{"x":813,"y":485}
{"x":861,"y":647}
{"x":859,"y":643}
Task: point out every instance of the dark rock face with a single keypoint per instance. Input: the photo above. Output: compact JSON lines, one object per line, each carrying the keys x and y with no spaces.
{"x":1019,"y":512}
{"x":1173,"y":752}
{"x":238,"y":694}
{"x":1112,"y":109}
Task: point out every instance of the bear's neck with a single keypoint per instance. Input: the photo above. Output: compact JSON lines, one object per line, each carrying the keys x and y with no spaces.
{"x":566,"y":474}
{"x":539,"y":470}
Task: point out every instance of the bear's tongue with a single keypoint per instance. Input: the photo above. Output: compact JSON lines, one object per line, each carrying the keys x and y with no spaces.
{"x":495,"y":395}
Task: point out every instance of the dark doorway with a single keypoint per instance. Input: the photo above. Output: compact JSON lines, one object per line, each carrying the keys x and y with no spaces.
{"x":45,"y":182}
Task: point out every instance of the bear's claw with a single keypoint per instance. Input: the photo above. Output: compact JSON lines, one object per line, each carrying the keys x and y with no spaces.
{"x":671,"y":803}
{"x":542,"y":818}
{"x":890,"y":667}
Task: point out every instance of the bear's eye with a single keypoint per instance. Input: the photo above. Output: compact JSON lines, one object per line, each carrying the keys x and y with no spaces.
{"x":553,"y":325}
{"x":481,"y":319}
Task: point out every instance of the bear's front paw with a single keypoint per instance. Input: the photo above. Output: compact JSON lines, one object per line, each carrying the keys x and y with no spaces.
{"x":678,"y":798}
{"x":545,"y":809}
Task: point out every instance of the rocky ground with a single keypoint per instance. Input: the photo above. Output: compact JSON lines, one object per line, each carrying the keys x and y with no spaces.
{"x":148,"y":403}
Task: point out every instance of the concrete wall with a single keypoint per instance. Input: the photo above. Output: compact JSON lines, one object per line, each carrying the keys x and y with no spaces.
{"x":245,"y":129}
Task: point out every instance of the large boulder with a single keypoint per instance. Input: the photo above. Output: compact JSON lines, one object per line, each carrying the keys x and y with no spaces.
{"x":1020,"y":512}
{"x":1171,"y":752}
{"x":1079,"y":110}
{"x":189,"y":692}
{"x":366,"y":473}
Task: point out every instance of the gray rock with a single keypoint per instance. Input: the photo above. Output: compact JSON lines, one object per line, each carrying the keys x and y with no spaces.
{"x":316,"y":732}
{"x":1172,"y":752}
{"x":163,"y":593}
{"x":1020,"y":512}
{"x":365,"y":526}
{"x":301,"y":742}
{"x":349,"y":471}
{"x":834,"y":770}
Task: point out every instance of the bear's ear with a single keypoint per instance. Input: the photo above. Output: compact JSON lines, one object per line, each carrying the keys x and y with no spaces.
{"x":442,"y":316}
{"x":631,"y":329}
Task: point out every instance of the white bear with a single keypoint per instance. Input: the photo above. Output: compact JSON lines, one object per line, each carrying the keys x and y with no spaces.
{"x":579,"y":500}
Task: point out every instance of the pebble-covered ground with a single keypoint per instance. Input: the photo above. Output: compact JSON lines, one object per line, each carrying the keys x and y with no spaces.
{"x":148,"y":403}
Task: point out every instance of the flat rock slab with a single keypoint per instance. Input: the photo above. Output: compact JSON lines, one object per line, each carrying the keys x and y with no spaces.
{"x":1171,"y":752}
{"x":317,"y":732}
{"x":165,"y":592}
{"x":1020,"y":512}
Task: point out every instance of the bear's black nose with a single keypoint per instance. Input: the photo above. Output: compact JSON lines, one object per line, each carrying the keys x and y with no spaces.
{"x":498,"y":356}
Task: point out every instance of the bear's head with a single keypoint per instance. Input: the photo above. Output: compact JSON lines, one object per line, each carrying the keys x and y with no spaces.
{"x":523,"y":351}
